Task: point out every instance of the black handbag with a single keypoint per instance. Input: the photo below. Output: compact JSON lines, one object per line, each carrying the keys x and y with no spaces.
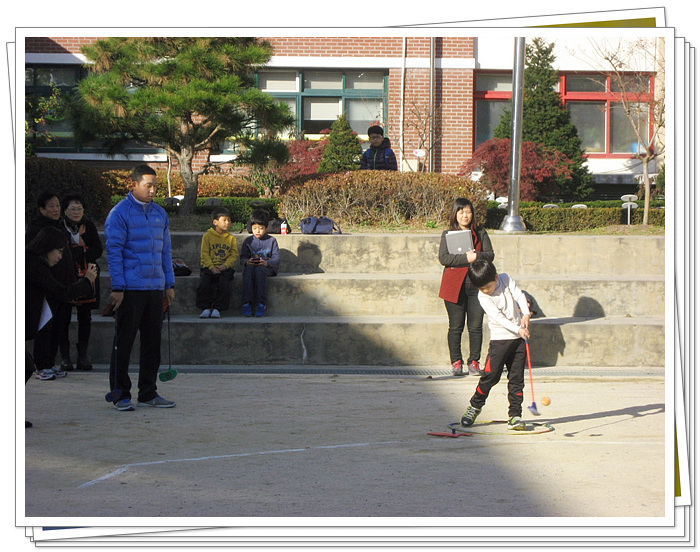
{"x":180,"y":267}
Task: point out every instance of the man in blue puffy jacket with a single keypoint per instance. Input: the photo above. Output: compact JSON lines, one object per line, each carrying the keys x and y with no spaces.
{"x":137,"y":236}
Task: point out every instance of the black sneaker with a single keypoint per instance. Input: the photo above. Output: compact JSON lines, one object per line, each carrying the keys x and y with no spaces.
{"x":470,"y":416}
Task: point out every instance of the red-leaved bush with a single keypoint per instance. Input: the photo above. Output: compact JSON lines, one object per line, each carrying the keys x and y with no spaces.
{"x":540,"y":168}
{"x":304,"y":159}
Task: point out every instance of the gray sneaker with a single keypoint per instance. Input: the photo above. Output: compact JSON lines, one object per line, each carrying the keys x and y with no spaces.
{"x":46,"y":374}
{"x":59,"y":373}
{"x":124,"y":405}
{"x":158,"y":402}
{"x":516,"y":424}
{"x":470,"y":416}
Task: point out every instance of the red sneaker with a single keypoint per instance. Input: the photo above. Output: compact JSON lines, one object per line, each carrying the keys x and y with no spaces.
{"x":457,"y":368}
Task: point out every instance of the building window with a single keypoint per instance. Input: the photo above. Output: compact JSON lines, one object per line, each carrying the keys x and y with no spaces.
{"x":589,"y":119}
{"x":595,"y":104}
{"x":623,"y":138}
{"x":492,"y":96}
{"x":41,"y":80}
{"x":488,"y":115}
{"x":593,"y":101}
{"x":319,"y":97}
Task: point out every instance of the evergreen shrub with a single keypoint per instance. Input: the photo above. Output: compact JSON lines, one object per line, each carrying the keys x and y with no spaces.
{"x":569,"y":220}
{"x":65,"y":177}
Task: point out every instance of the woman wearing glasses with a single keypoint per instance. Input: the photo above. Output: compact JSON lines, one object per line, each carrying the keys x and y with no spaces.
{"x":86,"y":248}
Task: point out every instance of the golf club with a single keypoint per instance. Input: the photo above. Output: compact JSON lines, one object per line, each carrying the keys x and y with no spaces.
{"x":169,"y":374}
{"x":115,"y":394}
{"x":533,"y":407}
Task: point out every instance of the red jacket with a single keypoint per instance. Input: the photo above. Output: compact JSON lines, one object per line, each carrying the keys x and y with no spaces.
{"x":456,"y":266}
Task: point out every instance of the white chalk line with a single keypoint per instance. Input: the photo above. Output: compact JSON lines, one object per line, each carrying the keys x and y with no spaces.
{"x":122,"y":469}
{"x":126,"y":467}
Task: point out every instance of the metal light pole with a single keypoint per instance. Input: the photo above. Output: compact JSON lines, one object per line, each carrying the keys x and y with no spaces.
{"x":513,"y":222}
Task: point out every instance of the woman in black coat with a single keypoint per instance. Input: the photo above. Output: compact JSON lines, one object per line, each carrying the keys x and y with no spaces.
{"x":86,"y":248}
{"x":46,"y":344}
{"x":41,"y":254}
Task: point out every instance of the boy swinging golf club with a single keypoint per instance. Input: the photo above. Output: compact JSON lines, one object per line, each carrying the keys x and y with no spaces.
{"x":509,"y":324}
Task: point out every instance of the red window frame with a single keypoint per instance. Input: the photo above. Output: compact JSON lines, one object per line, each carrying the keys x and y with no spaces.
{"x":608,"y":97}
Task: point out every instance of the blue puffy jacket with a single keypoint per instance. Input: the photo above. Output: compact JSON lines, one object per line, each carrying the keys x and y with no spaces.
{"x":138,"y":246}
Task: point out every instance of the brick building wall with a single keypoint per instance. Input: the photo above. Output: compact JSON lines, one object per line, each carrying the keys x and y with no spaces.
{"x":453,"y":80}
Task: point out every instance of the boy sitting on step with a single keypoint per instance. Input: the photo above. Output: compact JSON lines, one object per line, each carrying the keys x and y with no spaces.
{"x":260,"y":256}
{"x":219,"y":254}
{"x":509,"y":323}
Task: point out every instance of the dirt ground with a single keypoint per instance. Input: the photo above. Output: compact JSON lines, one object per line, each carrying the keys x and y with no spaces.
{"x":342,"y":446}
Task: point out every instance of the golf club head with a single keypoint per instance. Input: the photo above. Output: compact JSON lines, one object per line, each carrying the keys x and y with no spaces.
{"x":114,"y":395}
{"x":167,"y":375}
{"x":533,"y":409}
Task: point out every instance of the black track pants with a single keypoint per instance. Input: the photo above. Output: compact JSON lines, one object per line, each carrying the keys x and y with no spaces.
{"x":512,"y":354}
{"x":141,"y":312}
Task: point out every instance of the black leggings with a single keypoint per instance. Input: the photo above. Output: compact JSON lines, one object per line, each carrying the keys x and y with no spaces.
{"x":468,"y":309}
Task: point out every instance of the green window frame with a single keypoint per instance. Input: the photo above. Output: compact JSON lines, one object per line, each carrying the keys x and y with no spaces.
{"x":319,"y":96}
{"x":38,"y":81}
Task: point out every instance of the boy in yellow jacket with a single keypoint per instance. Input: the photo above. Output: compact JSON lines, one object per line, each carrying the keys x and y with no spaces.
{"x":219,"y":255}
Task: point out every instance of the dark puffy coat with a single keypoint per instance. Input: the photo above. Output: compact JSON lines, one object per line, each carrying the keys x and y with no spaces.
{"x":381,"y":158}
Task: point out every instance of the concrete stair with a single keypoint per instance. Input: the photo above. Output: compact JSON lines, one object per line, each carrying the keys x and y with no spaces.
{"x":371,"y":300}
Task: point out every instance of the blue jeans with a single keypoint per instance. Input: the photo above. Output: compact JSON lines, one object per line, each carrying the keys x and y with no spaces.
{"x":255,"y":284}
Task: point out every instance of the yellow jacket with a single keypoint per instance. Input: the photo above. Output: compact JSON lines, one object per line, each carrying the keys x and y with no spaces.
{"x":218,"y":249}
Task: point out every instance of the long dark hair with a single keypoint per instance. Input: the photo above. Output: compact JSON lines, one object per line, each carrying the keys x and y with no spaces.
{"x":48,"y":239}
{"x":459,"y":204}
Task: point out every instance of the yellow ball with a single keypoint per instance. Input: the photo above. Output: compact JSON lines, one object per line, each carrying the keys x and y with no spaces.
{"x":545,"y":401}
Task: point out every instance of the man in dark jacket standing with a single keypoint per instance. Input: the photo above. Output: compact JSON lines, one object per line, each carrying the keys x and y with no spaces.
{"x":379,"y":156}
{"x":137,"y":234}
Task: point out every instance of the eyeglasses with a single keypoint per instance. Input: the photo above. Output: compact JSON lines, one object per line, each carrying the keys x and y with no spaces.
{"x":75,"y":209}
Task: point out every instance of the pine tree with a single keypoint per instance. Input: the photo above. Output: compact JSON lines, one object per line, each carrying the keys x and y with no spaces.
{"x":343,"y":151}
{"x":546,"y":120}
{"x":183,"y":94}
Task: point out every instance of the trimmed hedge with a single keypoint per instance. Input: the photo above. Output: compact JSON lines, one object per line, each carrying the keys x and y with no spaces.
{"x":569,"y":220}
{"x":210,"y":185}
{"x":240,"y":207}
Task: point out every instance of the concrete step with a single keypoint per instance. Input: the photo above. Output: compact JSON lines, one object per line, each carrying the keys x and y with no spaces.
{"x":533,"y":255}
{"x":386,"y":340}
{"x":371,"y":299}
{"x":408,"y":294}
